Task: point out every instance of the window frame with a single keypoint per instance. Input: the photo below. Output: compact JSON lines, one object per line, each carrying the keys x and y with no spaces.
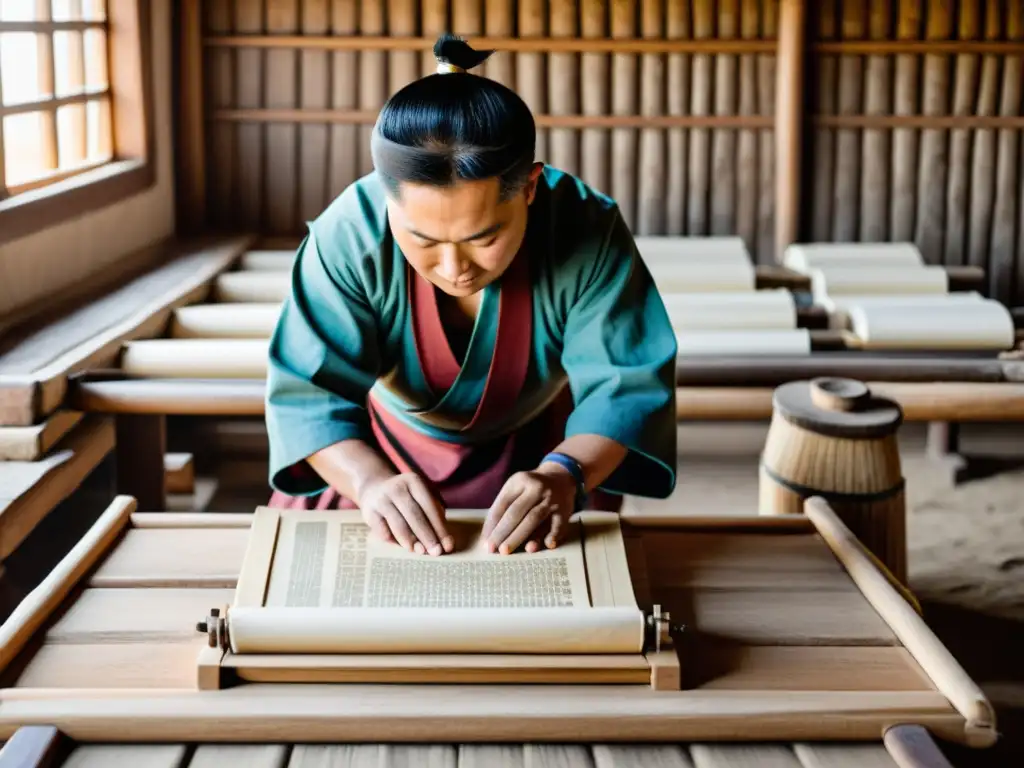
{"x":73,"y":193}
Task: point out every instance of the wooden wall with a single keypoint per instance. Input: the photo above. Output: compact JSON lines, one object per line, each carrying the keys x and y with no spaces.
{"x":906,"y":131}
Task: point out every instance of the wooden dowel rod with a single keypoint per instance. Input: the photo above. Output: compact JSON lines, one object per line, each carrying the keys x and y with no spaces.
{"x":41,"y":602}
{"x":911,"y":746}
{"x":601,"y":45}
{"x":193,"y":519}
{"x":772,"y":372}
{"x":789,"y":112}
{"x":35,"y":746}
{"x":773,"y":523}
{"x":933,"y":657}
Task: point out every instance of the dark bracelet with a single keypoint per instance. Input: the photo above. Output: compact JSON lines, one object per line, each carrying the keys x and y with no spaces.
{"x":573,"y":468}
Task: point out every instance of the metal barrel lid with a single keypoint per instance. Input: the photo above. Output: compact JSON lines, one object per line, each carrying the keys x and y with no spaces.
{"x":837,"y":407}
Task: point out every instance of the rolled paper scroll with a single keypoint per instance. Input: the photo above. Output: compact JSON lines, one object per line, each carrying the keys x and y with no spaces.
{"x":225,"y":321}
{"x":252,"y":287}
{"x":839,"y":307}
{"x":829,"y":282}
{"x":196,"y":358}
{"x":552,"y":630}
{"x":711,"y":343}
{"x":981,"y":324}
{"x":718,"y":250}
{"x":753,"y":310}
{"x":702,"y":276}
{"x":804,"y":257}
{"x":267,"y":261}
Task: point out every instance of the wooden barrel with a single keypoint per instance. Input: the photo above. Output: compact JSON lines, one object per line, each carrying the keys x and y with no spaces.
{"x":831,"y":437}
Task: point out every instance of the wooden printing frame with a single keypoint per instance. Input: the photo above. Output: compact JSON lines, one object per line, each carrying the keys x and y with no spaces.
{"x":603,"y":556}
{"x":360,"y":713}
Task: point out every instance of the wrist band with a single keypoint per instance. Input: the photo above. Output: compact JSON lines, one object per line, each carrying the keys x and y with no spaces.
{"x":573,"y":467}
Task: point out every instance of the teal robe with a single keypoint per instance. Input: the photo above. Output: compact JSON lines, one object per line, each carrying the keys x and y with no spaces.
{"x":599,"y":326}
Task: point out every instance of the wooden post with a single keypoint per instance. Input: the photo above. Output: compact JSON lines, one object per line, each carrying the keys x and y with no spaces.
{"x":789,"y":122}
{"x":190,"y":148}
{"x":141,"y":445}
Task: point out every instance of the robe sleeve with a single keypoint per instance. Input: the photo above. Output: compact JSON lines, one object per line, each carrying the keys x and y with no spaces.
{"x":619,"y":352}
{"x":324,"y":358}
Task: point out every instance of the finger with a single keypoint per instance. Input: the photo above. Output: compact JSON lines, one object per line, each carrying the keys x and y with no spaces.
{"x":506,"y":496}
{"x":557,"y":528}
{"x":435,"y":513}
{"x":539,"y":535}
{"x":417,"y":519}
{"x":513,"y":516}
{"x":522,"y":532}
{"x":399,"y":528}
{"x":379,"y":527}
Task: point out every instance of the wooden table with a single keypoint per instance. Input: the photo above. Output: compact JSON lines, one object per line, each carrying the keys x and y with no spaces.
{"x":794,"y":636}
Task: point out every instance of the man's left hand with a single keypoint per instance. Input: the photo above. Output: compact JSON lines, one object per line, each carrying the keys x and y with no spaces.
{"x":532,"y":507}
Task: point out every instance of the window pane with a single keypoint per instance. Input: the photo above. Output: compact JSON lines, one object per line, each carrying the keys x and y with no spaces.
{"x":94,"y":10}
{"x":97,"y":118}
{"x":67,"y":10}
{"x":95,"y":59}
{"x":24,"y":156}
{"x":68,"y":64}
{"x":17,"y":10}
{"x":71,"y":136}
{"x":19,"y":65}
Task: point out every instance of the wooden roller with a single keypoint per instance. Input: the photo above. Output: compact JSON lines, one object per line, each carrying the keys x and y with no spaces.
{"x":267,"y":261}
{"x":983,"y":324}
{"x":805,"y":257}
{"x":252,"y":287}
{"x":833,"y":438}
{"x":225,"y":321}
{"x":720,"y":250}
{"x":196,"y":358}
{"x":839,"y":281}
{"x":757,"y":310}
{"x":796,"y":341}
{"x":702,"y":276}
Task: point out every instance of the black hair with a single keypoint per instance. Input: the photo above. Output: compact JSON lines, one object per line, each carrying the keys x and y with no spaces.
{"x":455,"y":126}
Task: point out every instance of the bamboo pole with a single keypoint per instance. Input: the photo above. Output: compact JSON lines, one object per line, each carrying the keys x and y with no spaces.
{"x":700,"y":139}
{"x":499,"y":22}
{"x":678,"y":81}
{"x":723,"y":142}
{"x":564,"y":87}
{"x":874,"y":188}
{"x":373,"y":76}
{"x":846,"y":190}
{"x":964,"y":91}
{"x":624,"y":102}
{"x":281,"y":183}
{"x":653,"y":168}
{"x":982,"y":178}
{"x":530,"y":69}
{"x":826,"y":68}
{"x":788,"y":123}
{"x":595,"y":143}
{"x":904,"y":149}
{"x":343,"y":143}
{"x":248,"y":76}
{"x":224,"y":199}
{"x":766,"y":75}
{"x":314,"y":138}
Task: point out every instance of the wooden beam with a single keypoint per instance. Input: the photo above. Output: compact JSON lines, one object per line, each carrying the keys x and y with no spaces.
{"x":190,"y":148}
{"x":789,"y":110}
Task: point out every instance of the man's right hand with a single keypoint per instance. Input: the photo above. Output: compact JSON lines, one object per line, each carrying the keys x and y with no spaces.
{"x":402,"y":509}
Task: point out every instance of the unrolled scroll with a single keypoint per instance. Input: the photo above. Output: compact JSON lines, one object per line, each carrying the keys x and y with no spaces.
{"x":225,"y":321}
{"x":756,"y":310}
{"x":702,"y":276}
{"x":981,"y":324}
{"x":268,"y":261}
{"x":863,"y":281}
{"x":805,"y":257}
{"x":252,"y":287}
{"x":796,"y":341}
{"x":436,"y":630}
{"x":196,"y":358}
{"x":717,"y":250}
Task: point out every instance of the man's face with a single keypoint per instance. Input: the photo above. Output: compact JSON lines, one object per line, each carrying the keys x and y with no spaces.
{"x":463,"y":237}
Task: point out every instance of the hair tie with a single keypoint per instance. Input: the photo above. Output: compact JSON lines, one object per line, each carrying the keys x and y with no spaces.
{"x":444,"y":68}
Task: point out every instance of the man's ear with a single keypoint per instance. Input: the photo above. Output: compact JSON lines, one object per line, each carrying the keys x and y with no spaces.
{"x":531,"y":184}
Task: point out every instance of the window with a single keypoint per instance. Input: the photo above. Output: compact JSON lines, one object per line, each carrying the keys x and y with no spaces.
{"x":75,"y":127}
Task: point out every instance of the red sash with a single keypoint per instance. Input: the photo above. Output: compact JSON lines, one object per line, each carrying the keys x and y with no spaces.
{"x":484,"y":468}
